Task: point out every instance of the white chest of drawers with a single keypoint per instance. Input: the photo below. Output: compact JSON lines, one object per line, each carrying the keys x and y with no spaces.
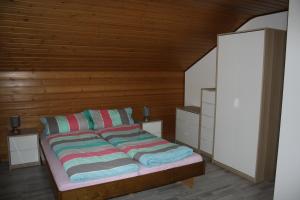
{"x":187,"y":125}
{"x":23,"y":149}
{"x":207,"y":121}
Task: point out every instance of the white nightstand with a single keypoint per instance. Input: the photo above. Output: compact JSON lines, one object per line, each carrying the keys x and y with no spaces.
{"x":154,"y":127}
{"x":23,"y":149}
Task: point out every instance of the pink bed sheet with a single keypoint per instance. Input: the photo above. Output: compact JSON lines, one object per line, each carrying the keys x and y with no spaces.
{"x":63,"y":182}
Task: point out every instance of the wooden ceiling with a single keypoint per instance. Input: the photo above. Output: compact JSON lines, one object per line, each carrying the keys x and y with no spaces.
{"x":118,"y":35}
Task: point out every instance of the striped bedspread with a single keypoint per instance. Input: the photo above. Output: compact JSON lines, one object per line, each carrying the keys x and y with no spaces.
{"x":87,"y":156}
{"x":143,"y":146}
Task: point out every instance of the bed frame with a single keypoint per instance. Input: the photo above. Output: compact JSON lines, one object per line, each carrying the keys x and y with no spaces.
{"x":129,"y":185}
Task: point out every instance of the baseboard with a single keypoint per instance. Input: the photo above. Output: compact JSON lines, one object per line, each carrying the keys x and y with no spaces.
{"x":239,"y":173}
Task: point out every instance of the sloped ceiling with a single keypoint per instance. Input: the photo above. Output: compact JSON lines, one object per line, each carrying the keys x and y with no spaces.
{"x":118,"y":34}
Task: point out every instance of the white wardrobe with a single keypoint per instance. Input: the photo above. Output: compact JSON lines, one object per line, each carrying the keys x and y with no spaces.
{"x":248,"y":102}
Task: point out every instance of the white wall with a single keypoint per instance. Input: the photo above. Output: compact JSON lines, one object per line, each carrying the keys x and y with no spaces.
{"x":287,"y":183}
{"x":203,"y":73}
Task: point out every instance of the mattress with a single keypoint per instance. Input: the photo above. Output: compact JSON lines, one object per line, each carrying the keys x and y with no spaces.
{"x":63,"y":182}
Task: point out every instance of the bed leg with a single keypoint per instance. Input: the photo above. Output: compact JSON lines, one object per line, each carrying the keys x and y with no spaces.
{"x":188,"y":182}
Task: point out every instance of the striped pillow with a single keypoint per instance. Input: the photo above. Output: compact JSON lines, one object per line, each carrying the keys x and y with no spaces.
{"x":110,"y":118}
{"x":67,"y":123}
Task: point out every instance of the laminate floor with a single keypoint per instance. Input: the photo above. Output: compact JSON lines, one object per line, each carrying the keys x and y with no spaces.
{"x":217,"y":184}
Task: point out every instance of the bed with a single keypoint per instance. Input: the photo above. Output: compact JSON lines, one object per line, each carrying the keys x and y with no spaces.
{"x":104,"y":188}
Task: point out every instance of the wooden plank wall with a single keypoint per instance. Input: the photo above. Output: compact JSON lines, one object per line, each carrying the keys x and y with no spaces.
{"x":36,"y":94}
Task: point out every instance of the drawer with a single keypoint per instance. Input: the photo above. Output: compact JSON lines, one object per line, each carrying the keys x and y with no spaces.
{"x":153,"y":127}
{"x":186,"y":116}
{"x":187,"y":134}
{"x":207,"y":122}
{"x":208,"y":109}
{"x":187,"y":126}
{"x":24,"y":156}
{"x":206,"y":146}
{"x":18,"y":143}
{"x":208,"y":96}
{"x":207,"y":133}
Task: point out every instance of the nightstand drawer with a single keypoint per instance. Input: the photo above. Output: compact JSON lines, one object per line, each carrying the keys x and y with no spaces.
{"x":26,"y":142}
{"x":24,"y":156}
{"x":153,"y":127}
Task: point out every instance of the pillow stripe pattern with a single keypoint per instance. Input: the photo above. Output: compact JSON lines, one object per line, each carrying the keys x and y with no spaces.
{"x":73,"y":122}
{"x":50,"y":122}
{"x":68,"y":123}
{"x":124,"y":117}
{"x":107,"y":121}
{"x":115,"y":117}
{"x":110,"y":118}
{"x":63,"y":124}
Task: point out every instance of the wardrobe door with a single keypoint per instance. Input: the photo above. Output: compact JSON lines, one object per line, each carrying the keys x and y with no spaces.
{"x":239,"y":88}
{"x":226,"y":116}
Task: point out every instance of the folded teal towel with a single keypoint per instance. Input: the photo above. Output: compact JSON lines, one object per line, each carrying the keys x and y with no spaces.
{"x":155,"y":159}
